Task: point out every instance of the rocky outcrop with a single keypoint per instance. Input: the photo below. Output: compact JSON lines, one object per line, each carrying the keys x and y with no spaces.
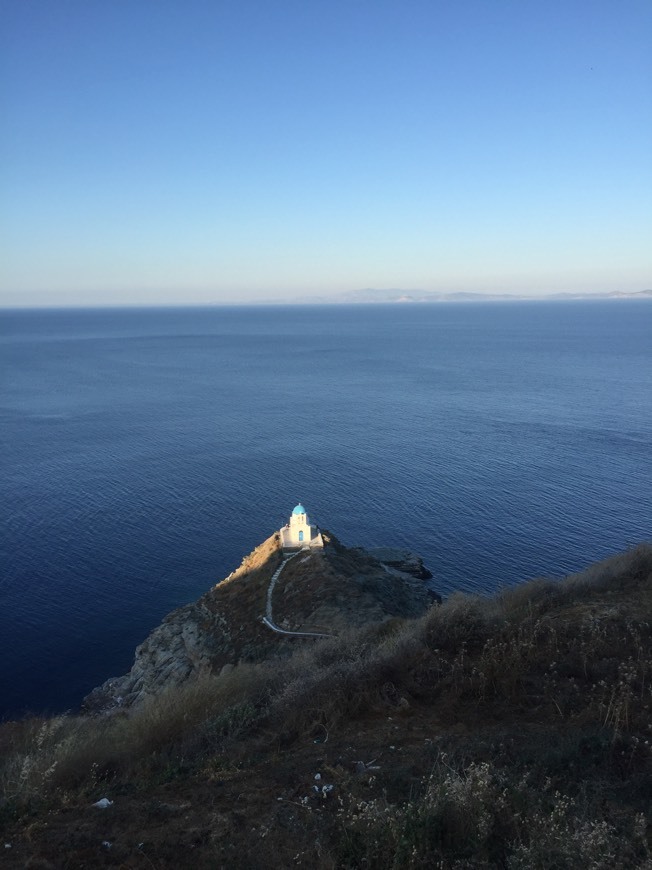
{"x":323,"y":591}
{"x":179,"y":647}
{"x":219,"y":629}
{"x":401,"y":560}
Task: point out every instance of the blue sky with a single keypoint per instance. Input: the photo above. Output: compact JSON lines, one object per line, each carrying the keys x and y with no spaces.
{"x":181,"y":152}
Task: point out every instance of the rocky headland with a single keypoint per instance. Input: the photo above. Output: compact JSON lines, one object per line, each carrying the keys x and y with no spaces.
{"x":322,"y":591}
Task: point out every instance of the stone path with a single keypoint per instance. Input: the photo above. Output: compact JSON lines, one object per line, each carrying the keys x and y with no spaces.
{"x":268,"y":619}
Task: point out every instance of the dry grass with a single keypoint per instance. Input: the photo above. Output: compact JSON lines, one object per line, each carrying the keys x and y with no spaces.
{"x":73,"y":752}
{"x":479,"y":816}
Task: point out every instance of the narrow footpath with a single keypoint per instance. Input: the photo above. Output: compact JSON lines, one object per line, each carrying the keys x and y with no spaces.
{"x":268,"y":619}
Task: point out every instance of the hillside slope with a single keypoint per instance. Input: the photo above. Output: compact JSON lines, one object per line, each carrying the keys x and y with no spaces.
{"x":504,"y":732}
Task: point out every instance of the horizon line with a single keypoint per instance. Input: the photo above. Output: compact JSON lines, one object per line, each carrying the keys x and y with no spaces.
{"x":458,"y":298}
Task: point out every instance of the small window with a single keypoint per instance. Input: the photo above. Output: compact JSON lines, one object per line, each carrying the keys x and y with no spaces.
{"x":301,"y":535}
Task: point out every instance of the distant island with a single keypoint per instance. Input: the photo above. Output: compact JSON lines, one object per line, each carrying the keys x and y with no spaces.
{"x":373,"y":295}
{"x":396,"y":295}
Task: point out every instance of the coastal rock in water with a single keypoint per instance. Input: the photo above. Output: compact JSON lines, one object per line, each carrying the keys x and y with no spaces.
{"x":401,"y":560}
{"x":323,"y":591}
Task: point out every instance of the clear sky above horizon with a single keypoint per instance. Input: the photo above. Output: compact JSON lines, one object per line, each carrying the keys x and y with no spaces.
{"x":182,"y":152}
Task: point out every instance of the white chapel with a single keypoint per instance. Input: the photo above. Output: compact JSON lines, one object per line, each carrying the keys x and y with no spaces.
{"x":298,"y":533}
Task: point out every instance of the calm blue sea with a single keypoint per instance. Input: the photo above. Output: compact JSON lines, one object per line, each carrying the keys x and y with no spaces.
{"x":146,"y":451}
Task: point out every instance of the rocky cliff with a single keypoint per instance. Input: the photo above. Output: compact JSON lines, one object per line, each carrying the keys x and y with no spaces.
{"x":324,"y":591}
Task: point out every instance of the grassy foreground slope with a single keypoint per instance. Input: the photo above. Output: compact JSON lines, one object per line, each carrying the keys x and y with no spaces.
{"x":512,"y":731}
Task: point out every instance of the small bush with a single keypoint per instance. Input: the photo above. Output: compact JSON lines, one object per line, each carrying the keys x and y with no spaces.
{"x":461,"y":619}
{"x":529,"y":599}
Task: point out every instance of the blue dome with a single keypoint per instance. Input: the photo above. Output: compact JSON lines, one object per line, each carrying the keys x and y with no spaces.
{"x":299,"y":509}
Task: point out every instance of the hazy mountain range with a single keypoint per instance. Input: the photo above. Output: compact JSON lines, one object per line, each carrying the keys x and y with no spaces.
{"x":398,"y":295}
